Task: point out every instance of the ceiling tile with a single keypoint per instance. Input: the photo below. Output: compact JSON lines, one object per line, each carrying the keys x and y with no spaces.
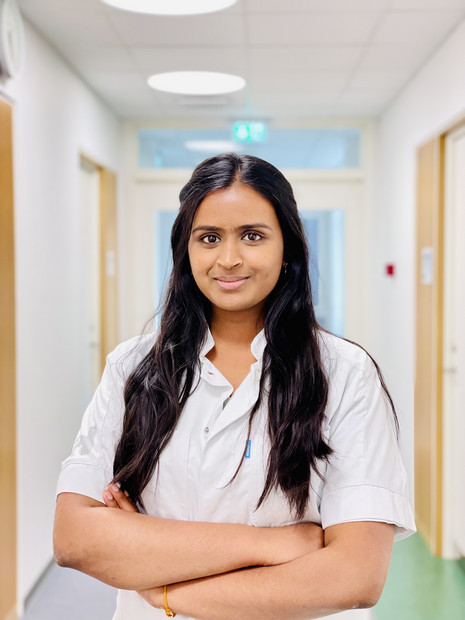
{"x":391,"y":57}
{"x":296,"y":59}
{"x":126,"y":82}
{"x":363,"y":103}
{"x":92,"y":58}
{"x":214,"y":29}
{"x":358,"y":110}
{"x":326,"y":6}
{"x":364,"y":97}
{"x":293,"y":98}
{"x":64,"y":6}
{"x":426,"y":5}
{"x":233,"y":111}
{"x":296,"y":111}
{"x":176,"y":100}
{"x":314,"y":28}
{"x":376,"y":81}
{"x":123,"y":91}
{"x":429,"y":27}
{"x":76,"y":29}
{"x":172,"y":106}
{"x":306,"y":81}
{"x":154,"y":60}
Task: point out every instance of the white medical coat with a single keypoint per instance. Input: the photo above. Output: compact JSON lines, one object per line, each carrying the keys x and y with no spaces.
{"x":365,"y":479}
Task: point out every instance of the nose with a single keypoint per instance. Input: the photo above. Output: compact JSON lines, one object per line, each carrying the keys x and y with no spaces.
{"x":229,"y":255}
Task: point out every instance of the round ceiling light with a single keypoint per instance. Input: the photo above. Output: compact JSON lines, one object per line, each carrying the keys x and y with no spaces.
{"x":170,"y":7}
{"x":196,"y":82}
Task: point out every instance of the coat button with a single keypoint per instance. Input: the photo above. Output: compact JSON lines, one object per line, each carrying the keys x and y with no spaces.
{"x":206,"y":430}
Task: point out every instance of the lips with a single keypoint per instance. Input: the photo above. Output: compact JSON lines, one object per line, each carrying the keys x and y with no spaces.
{"x":230,"y":283}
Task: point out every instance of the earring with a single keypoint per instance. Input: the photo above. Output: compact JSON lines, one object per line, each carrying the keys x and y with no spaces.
{"x":285,"y":267}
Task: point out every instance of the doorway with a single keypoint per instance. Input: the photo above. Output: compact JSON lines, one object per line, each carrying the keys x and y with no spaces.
{"x":440,"y":348}
{"x":89,"y":202}
{"x":454,"y":347}
{"x":98,"y":223}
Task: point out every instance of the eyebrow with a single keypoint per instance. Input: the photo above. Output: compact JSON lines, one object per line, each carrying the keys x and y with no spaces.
{"x":238,"y":228}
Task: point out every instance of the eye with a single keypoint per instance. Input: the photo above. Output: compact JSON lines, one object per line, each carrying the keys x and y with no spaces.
{"x":210,"y":239}
{"x":252,"y":236}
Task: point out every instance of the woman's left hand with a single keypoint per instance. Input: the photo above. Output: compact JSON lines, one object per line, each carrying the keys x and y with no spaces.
{"x":114,"y":497}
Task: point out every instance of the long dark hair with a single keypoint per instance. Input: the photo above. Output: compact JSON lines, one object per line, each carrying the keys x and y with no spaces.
{"x":297,"y":387}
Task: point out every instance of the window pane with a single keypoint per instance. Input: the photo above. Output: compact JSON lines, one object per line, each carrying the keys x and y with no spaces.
{"x":325,"y":236}
{"x":317,"y":149}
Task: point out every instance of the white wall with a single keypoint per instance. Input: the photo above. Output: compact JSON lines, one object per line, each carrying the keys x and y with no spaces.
{"x":431,"y":102}
{"x":56,"y":117}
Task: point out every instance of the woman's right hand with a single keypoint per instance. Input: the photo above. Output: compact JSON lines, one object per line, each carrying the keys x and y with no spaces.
{"x":286,"y":543}
{"x":115,"y":498}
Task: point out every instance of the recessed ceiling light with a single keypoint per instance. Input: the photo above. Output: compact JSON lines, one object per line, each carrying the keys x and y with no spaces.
{"x":170,"y":7}
{"x":213,"y":146}
{"x":196,"y":82}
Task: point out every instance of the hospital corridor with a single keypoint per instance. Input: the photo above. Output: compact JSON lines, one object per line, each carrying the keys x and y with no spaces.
{"x":106,"y":109}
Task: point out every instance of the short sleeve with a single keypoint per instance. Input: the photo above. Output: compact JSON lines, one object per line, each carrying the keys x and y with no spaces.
{"x":365,"y":478}
{"x":89,"y":468}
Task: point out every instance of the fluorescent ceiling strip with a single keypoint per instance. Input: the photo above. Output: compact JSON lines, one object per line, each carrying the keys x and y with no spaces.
{"x":213,"y":146}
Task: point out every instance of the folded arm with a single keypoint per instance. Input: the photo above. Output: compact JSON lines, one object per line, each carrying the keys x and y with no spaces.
{"x":134,"y":551}
{"x":293,"y":576}
{"x":349,"y":572}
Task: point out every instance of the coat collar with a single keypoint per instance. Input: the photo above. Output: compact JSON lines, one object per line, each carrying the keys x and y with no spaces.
{"x":257,"y":346}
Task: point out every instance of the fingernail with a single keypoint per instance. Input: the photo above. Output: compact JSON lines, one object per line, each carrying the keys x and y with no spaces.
{"x":108,"y":495}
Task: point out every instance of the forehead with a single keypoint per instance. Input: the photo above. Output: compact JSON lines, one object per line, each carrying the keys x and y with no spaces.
{"x":234,"y":206}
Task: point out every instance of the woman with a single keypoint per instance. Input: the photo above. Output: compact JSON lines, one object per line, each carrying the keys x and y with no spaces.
{"x":240,"y":416}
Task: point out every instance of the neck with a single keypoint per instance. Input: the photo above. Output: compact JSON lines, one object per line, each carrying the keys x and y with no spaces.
{"x":236,"y":328}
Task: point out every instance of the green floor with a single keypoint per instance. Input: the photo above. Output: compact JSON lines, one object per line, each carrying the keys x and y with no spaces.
{"x":421,"y":587}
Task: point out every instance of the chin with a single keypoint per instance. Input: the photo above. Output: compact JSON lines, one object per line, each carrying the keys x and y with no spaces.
{"x":237,"y":307}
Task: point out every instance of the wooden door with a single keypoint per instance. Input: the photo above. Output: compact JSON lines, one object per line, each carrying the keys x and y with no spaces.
{"x":7,"y":373}
{"x":108,"y":266}
{"x":429,"y":321}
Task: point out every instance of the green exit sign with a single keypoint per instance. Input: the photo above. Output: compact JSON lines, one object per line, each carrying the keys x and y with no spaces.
{"x":249,"y":131}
